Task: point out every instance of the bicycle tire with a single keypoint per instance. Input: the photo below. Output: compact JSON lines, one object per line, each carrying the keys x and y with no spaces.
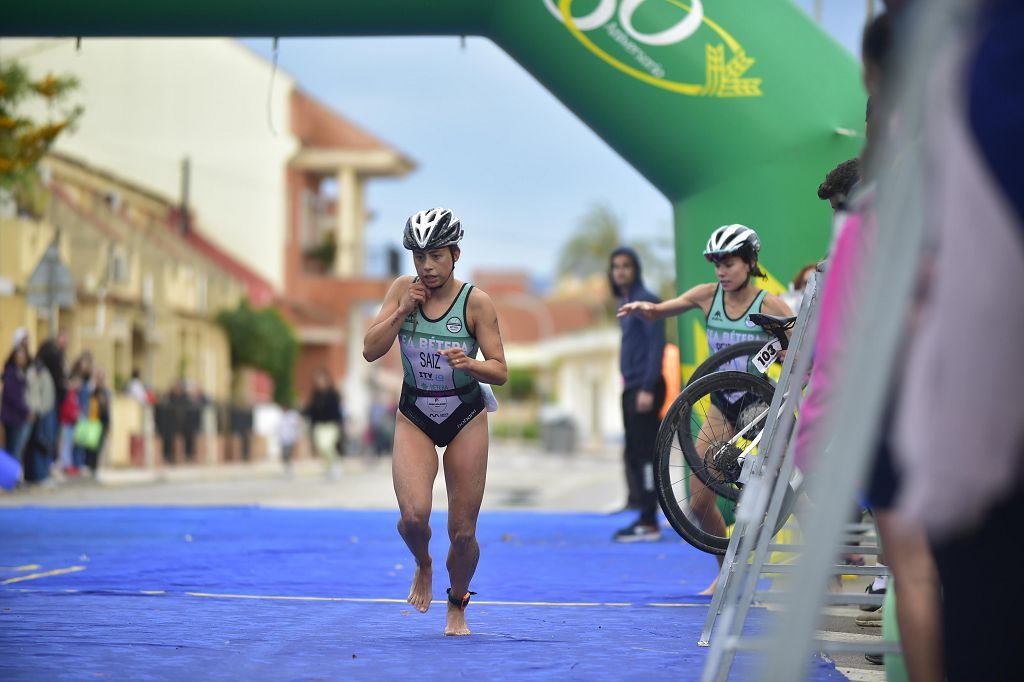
{"x":670,"y":459}
{"x":717,"y":361}
{"x":731,"y":381}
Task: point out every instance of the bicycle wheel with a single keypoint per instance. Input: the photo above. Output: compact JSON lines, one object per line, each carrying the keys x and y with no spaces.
{"x":724,"y":415}
{"x":689,"y":488}
{"x":726,"y":359}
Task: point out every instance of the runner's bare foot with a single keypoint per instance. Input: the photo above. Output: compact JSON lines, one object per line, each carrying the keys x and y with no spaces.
{"x":455,"y":625}
{"x":710,"y":589}
{"x":422,"y":592}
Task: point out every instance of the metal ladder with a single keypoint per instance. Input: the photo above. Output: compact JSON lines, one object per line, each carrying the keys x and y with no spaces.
{"x":763,"y":504}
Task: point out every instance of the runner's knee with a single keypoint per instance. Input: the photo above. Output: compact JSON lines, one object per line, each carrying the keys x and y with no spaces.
{"x":461,"y":535}
{"x":413,"y":523}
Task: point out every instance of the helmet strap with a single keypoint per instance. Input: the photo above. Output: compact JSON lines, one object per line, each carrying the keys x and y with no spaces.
{"x":746,"y":281}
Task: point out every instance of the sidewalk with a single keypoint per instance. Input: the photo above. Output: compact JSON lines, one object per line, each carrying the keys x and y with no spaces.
{"x":519,"y":477}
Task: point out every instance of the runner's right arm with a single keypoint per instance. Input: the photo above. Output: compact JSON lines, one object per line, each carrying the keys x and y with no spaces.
{"x":402,"y":298}
{"x":699,"y":296}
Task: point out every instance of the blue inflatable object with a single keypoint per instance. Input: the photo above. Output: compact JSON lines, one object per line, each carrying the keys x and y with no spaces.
{"x":10,"y":470}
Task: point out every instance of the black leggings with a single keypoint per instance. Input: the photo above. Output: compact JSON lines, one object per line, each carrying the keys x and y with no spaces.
{"x":641,"y":434}
{"x":982,"y":600}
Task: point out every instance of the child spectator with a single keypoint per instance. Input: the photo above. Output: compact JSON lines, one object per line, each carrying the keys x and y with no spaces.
{"x":69,"y":412}
{"x":289,"y":429}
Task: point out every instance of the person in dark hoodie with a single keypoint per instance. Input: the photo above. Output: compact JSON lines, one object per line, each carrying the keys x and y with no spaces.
{"x":643,"y":392}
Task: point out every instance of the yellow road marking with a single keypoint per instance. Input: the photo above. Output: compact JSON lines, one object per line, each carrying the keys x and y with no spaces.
{"x":26,"y":567}
{"x":45,"y":574}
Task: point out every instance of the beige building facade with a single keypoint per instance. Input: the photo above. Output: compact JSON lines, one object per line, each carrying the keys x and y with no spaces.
{"x":145,"y":299}
{"x":273,"y":174}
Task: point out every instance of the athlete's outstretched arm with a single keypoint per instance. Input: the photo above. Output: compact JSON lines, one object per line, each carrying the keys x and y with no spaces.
{"x":401,"y":299}
{"x":482,"y":319}
{"x":698,"y":297}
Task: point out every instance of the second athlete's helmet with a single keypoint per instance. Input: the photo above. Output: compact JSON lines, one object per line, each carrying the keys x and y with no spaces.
{"x":733,"y":239}
{"x":434,"y":228}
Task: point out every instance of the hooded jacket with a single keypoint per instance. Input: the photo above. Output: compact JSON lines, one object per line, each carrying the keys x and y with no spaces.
{"x":643,"y":342}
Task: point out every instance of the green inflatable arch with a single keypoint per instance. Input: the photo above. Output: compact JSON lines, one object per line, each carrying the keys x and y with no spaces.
{"x":734,"y":109}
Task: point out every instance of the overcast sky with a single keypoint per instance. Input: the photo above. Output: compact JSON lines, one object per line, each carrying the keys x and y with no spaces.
{"x":488,"y":153}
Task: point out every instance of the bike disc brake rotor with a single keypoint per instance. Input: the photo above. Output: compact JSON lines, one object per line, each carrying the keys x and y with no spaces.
{"x":748,"y":415}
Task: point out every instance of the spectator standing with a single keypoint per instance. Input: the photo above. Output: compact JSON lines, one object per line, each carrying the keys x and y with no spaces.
{"x":794,"y":296}
{"x":68,"y":415}
{"x":960,"y":429}
{"x":82,"y":371}
{"x":39,"y":445}
{"x":289,"y":429}
{"x":175,"y":415}
{"x":138,"y":390}
{"x":907,"y":551}
{"x":97,"y":409}
{"x":14,"y":409}
{"x":326,"y":421}
{"x":640,"y":358}
{"x":838,"y":188}
{"x":382,"y":425}
{"x":51,"y":356}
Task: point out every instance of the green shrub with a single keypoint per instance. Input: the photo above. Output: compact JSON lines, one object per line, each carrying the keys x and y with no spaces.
{"x":262,"y":339}
{"x":521,"y":385}
{"x":524,"y":431}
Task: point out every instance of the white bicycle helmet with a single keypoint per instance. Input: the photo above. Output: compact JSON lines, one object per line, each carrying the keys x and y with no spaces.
{"x":434,"y":228}
{"x":733,"y":239}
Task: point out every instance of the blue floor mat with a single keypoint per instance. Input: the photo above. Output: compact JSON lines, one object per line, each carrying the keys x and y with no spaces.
{"x":266,"y":594}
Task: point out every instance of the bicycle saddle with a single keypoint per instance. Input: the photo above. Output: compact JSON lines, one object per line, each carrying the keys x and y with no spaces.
{"x":776,"y":326}
{"x":770,"y":323}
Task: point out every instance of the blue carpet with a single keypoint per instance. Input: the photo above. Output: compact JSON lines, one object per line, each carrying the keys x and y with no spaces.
{"x":188,"y":594}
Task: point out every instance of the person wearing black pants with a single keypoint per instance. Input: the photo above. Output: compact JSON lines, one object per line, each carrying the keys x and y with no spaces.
{"x":979,"y":569}
{"x":641,"y":432}
{"x":640,"y":359}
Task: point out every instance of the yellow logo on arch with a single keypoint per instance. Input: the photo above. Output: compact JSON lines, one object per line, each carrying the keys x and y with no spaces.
{"x":613,"y":31}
